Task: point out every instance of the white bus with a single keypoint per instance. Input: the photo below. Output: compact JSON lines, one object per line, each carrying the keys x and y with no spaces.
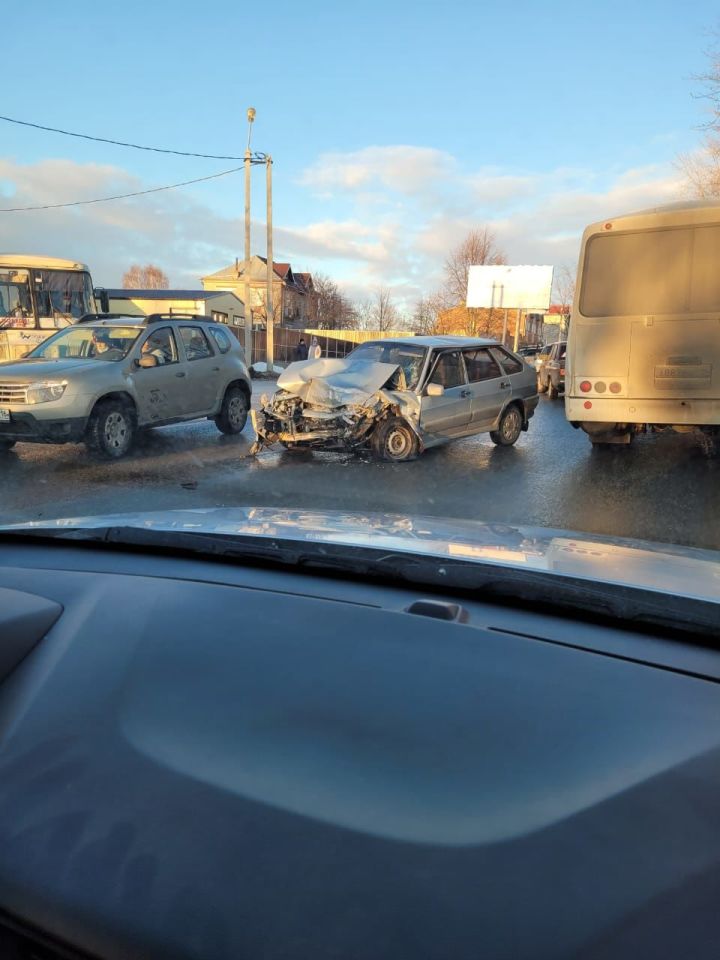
{"x":644,"y":342}
{"x":37,"y":296}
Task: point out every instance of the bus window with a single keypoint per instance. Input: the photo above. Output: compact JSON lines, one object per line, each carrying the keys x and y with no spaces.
{"x":63,"y":294}
{"x":15,"y":304}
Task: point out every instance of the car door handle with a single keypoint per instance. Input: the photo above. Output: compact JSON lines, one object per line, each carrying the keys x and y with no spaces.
{"x":466,"y":393}
{"x":504,"y":386}
{"x":181,"y":374}
{"x":216,"y":369}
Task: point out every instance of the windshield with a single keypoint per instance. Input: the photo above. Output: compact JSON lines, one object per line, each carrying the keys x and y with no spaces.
{"x":64,"y":293}
{"x":426,"y":196}
{"x":88,"y":343}
{"x":15,"y":303}
{"x":409,"y":357}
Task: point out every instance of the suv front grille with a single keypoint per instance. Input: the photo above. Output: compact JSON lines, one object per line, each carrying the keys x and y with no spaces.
{"x":13,"y":392}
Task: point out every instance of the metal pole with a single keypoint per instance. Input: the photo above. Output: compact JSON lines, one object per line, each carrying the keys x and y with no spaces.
{"x":246,"y":268}
{"x":246,"y":272}
{"x":270,"y":273}
{"x":517,"y":330}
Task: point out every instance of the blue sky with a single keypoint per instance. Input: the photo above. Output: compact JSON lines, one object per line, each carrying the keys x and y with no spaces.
{"x":395,"y":127}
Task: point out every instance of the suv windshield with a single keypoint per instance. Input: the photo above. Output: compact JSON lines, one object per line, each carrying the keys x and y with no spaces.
{"x":88,"y":343}
{"x":409,"y":357}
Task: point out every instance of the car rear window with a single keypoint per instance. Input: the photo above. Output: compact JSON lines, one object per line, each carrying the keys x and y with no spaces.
{"x":510,"y":363}
{"x":221,"y":338}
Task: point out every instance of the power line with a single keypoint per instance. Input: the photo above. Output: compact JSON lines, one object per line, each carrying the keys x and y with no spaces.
{"x":116,"y":143}
{"x":121,"y":196}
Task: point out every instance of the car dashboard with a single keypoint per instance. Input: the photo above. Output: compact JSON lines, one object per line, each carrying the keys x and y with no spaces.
{"x":202,"y":759}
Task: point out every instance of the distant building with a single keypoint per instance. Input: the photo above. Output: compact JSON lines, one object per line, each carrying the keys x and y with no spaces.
{"x":293,"y":300}
{"x":221,"y":305}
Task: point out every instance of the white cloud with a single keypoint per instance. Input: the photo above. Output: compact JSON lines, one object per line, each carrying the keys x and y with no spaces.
{"x":399,"y":211}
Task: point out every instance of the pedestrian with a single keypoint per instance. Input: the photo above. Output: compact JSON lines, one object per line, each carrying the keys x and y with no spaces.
{"x":301,"y":350}
{"x":315,"y":349}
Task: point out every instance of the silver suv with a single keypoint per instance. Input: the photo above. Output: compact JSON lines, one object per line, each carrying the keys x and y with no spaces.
{"x":108,"y":376}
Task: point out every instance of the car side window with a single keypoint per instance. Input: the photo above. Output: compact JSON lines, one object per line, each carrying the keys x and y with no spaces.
{"x":448,"y":370}
{"x":162,"y":345}
{"x":221,"y":338}
{"x":509,"y":363}
{"x":480,"y":365}
{"x":195,"y":343}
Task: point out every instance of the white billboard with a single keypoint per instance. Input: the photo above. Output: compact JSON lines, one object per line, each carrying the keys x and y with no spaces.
{"x":516,"y":287}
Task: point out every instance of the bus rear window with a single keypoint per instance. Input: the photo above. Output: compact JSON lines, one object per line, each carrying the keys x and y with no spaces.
{"x":652,"y":272}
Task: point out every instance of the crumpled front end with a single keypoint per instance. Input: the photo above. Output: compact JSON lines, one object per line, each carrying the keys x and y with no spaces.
{"x":330,"y":405}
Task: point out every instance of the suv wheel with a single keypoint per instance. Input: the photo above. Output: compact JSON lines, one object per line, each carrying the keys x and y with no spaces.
{"x":234,"y":411}
{"x":110,"y":430}
{"x":508,"y":429}
{"x":394,"y":440}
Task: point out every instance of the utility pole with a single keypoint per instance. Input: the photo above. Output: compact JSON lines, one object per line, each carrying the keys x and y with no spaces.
{"x":270,"y":331}
{"x":246,"y":275}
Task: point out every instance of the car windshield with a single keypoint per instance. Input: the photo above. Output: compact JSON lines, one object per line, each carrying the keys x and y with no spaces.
{"x":407,"y":356}
{"x":83,"y":342}
{"x":445,"y":179}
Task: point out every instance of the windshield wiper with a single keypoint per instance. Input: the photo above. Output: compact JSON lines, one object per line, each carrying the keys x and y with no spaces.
{"x":539,"y":591}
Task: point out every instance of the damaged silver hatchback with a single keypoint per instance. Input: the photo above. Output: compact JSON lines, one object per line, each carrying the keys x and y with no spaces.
{"x":400,"y":396}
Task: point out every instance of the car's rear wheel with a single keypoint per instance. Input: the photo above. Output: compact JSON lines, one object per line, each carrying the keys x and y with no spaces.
{"x":509,"y":428}
{"x":110,"y":430}
{"x":394,"y":440}
{"x":6,"y":444}
{"x":552,"y":390}
{"x":234,"y":411}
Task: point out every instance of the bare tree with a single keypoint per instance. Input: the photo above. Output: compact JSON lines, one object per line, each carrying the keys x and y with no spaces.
{"x":701,"y":168}
{"x":478,"y":247}
{"x":380,"y":312}
{"x":148,"y":277}
{"x":424,"y":316}
{"x":330,"y":308}
{"x":565,"y":293}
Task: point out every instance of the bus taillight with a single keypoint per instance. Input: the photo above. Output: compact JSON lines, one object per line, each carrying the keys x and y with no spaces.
{"x":586,"y":386}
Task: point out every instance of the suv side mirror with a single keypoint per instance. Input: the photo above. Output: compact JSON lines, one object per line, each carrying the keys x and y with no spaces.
{"x":435,"y":390}
{"x":101,"y":297}
{"x":148,"y":360}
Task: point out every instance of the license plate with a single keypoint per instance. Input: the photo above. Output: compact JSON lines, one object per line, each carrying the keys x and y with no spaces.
{"x":4,"y":415}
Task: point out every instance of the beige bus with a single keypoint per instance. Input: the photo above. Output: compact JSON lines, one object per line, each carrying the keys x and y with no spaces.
{"x":38,"y":295}
{"x":644,"y":343}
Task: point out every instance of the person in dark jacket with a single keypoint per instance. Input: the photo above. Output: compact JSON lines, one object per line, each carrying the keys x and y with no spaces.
{"x":301,"y":350}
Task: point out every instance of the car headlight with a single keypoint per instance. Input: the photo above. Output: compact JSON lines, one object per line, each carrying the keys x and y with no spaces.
{"x":45,"y":390}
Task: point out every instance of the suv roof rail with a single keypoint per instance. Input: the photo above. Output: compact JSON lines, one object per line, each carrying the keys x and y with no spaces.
{"x":157,"y":317}
{"x":92,"y":317}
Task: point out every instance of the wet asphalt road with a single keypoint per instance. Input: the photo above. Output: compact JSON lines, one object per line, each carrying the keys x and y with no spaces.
{"x":662,"y":488}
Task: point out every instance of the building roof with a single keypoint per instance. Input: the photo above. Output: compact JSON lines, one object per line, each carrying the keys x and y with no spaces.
{"x":167,"y":294}
{"x":233,"y":271}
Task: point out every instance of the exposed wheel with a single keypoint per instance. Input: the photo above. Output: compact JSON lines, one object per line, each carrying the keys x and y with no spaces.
{"x":6,"y":445}
{"x":394,"y":440}
{"x":541,"y":385}
{"x":234,"y":411}
{"x":552,"y":390}
{"x":110,"y":430}
{"x":508,"y":429}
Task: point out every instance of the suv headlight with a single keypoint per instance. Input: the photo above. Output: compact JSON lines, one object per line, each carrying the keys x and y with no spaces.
{"x":45,"y":390}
